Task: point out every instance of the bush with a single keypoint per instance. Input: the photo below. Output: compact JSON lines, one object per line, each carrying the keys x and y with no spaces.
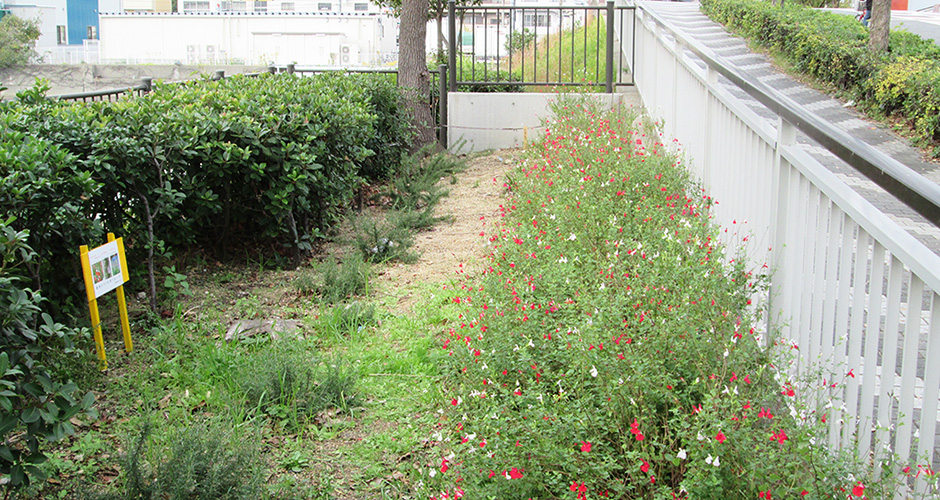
{"x":42,"y":186}
{"x":267,"y":161}
{"x":833,"y":49}
{"x":610,"y":350}
{"x":37,"y":400}
{"x":203,"y":461}
{"x":343,"y":281}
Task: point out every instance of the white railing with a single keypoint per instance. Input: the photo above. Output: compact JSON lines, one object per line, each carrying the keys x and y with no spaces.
{"x":855,"y":293}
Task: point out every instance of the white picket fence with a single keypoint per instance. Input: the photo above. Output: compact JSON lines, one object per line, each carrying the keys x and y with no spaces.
{"x":855,"y":293}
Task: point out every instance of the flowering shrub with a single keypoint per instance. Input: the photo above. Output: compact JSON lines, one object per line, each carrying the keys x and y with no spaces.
{"x":609,"y":350}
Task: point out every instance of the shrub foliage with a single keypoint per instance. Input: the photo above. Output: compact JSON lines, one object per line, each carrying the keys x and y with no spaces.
{"x":903,"y":83}
{"x":214,"y":165}
{"x":610,"y":349}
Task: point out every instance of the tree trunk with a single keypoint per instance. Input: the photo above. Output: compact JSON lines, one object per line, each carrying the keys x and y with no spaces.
{"x":880,"y":23}
{"x":442,"y":58}
{"x":151,"y":276}
{"x":413,"y":76}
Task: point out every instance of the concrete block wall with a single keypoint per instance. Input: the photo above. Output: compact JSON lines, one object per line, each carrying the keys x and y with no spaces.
{"x":483,"y":121}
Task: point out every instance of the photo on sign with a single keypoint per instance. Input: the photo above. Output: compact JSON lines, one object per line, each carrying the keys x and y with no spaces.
{"x":115,"y":265}
{"x":97,"y":271}
{"x":106,"y":268}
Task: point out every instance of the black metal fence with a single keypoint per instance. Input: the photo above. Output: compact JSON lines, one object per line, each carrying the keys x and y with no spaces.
{"x":512,"y":46}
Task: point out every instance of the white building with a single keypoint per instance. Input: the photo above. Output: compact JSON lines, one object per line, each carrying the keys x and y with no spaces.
{"x":249,"y":37}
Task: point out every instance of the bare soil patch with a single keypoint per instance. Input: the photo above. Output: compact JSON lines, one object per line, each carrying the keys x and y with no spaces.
{"x":449,"y":249}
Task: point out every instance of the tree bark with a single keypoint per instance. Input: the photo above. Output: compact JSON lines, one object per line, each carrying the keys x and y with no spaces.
{"x":413,"y":76}
{"x":880,"y":23}
{"x":151,"y":276}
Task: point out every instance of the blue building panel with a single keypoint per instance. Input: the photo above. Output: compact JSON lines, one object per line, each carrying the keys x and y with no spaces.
{"x":81,"y":14}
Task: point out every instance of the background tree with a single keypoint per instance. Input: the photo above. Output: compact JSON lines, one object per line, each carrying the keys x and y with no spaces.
{"x":880,"y":24}
{"x":413,"y":75}
{"x":436,"y":11}
{"x":17,"y":39}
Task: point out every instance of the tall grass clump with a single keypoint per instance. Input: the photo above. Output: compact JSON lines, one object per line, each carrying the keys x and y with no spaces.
{"x":609,"y":349}
{"x":289,"y":386}
{"x":200,"y":462}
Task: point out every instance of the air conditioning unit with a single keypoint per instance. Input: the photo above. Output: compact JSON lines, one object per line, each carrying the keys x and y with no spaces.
{"x":348,"y":54}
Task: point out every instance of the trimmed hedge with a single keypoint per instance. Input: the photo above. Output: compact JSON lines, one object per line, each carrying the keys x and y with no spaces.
{"x":903,"y":83}
{"x":211,"y":165}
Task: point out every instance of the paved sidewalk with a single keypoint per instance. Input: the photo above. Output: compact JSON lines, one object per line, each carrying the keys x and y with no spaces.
{"x":687,"y":18}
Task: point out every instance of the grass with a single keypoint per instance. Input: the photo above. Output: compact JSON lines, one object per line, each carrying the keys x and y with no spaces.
{"x":571,"y":55}
{"x":340,"y":408}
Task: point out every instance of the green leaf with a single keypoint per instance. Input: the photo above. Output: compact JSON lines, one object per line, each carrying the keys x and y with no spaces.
{"x":30,"y":415}
{"x":17,"y":476}
{"x":5,"y":454}
{"x":7,"y":422}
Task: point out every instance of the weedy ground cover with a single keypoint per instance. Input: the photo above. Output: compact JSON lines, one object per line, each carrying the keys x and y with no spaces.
{"x":338,"y":406}
{"x":611,"y":349}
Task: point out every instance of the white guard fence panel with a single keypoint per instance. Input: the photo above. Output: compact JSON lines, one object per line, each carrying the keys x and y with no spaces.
{"x":857,"y":295}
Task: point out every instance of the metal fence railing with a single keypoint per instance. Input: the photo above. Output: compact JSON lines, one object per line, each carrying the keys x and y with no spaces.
{"x":515,"y":46}
{"x":858,"y":295}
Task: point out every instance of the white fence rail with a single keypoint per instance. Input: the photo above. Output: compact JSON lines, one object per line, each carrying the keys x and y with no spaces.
{"x":855,"y":293}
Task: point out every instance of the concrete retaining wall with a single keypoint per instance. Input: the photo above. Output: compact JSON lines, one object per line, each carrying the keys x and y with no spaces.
{"x":482,"y":121}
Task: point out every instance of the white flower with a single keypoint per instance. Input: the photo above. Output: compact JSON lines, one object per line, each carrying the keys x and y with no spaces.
{"x":700,"y":437}
{"x":572,"y":237}
{"x":593,"y":371}
{"x":681,"y":454}
{"x":713,"y":461}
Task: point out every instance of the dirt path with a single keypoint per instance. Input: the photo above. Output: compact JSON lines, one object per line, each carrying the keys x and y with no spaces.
{"x":472,"y":201}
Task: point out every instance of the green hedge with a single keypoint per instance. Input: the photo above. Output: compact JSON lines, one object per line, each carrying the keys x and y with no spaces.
{"x":903,"y":83}
{"x":210,"y":165}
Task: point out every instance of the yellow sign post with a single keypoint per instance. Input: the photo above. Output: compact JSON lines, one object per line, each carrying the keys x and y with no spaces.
{"x":105,"y":269}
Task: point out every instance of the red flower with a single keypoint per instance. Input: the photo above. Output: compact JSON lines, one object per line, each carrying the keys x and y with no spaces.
{"x":858,"y":490}
{"x":779,"y":437}
{"x":585,"y":446}
{"x":515,"y":473}
{"x":720,"y":437}
{"x":645,"y":467}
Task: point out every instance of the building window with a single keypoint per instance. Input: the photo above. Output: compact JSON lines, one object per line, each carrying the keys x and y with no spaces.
{"x":92,"y":33}
{"x":287,"y":6}
{"x":533,"y":20}
{"x":361,"y":7}
{"x":61,"y":35}
{"x":324,"y":6}
{"x":234,"y":6}
{"x":195,"y":6}
{"x":261,"y":6}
